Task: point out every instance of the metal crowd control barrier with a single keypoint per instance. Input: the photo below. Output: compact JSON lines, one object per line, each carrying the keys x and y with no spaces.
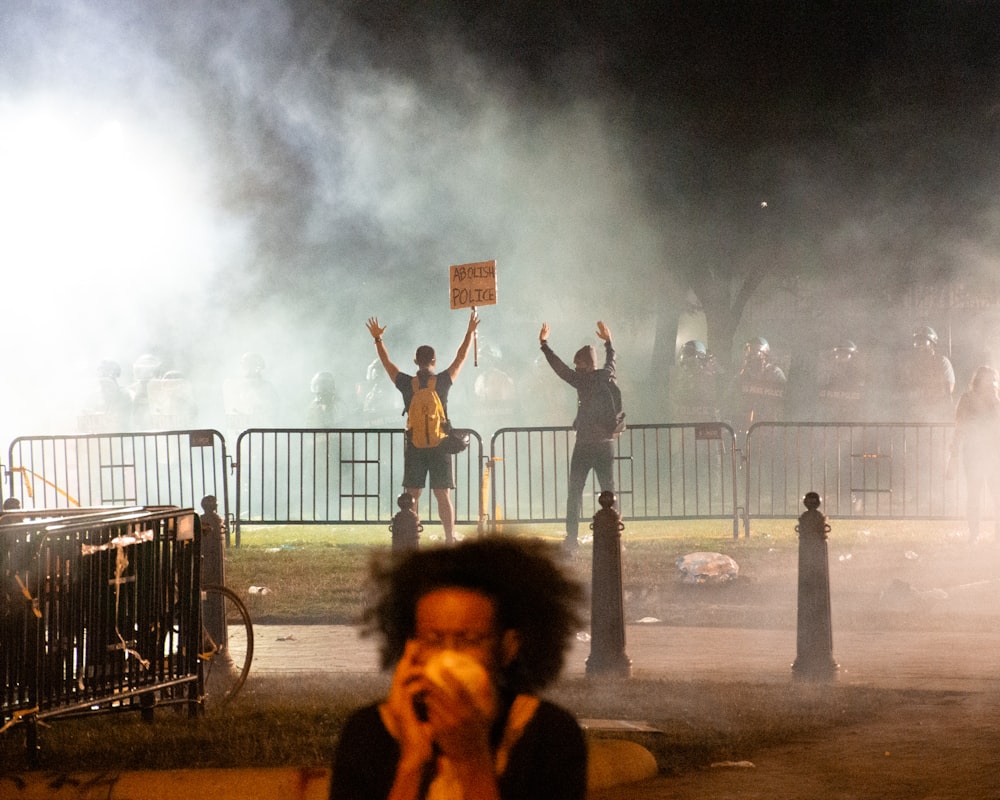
{"x":671,"y":471}
{"x":175,"y":468}
{"x":864,"y":470}
{"x":663,"y":471}
{"x":323,"y":476}
{"x":101,"y":609}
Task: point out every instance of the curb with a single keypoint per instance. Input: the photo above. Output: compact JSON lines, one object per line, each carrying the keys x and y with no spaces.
{"x":278,"y":783}
{"x":612,"y":762}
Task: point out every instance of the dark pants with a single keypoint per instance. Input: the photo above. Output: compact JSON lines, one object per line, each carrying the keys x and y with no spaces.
{"x":597,"y":456}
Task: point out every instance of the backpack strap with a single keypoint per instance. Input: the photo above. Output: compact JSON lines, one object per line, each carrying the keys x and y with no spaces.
{"x":414,"y":385}
{"x":431,"y":382}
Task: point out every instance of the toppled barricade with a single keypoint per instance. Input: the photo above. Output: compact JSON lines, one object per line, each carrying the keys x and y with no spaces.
{"x":99,"y":609}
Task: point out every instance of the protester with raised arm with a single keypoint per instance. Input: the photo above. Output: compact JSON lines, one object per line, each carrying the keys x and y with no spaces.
{"x":595,"y":424}
{"x":422,"y":457}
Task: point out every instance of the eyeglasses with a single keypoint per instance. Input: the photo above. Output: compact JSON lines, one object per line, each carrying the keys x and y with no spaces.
{"x":459,"y":640}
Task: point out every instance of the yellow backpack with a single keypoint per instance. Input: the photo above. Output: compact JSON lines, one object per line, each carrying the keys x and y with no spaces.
{"x":425,"y":418}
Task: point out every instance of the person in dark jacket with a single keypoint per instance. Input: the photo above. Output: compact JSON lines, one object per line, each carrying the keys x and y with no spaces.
{"x":594,"y":448}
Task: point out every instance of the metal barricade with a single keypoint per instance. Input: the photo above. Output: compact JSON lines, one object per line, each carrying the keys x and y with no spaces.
{"x":101,"y":608}
{"x":865,"y":470}
{"x":323,"y":476}
{"x":669,"y":471}
{"x":353,"y":476}
{"x":164,"y":468}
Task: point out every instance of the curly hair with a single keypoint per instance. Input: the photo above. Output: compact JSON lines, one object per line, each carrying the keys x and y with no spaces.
{"x":531,"y":592}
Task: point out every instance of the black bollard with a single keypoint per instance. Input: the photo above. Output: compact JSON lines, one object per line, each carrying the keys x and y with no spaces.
{"x":814,"y":660}
{"x":213,"y":567}
{"x":607,"y":614}
{"x":405,"y":526}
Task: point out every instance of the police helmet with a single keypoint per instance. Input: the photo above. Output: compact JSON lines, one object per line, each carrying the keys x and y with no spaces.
{"x":758,"y":346}
{"x":321,"y":383}
{"x":693,"y":351}
{"x":146,"y":367}
{"x":925,"y":336}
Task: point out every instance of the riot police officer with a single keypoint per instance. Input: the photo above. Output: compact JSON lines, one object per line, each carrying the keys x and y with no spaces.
{"x":108,"y":407}
{"x":320,"y":411}
{"x":841,"y":386}
{"x":494,"y":391}
{"x":147,"y":367}
{"x":251,"y":399}
{"x":926,"y":380}
{"x":172,"y":403}
{"x":760,"y":386}
{"x":694,"y":389}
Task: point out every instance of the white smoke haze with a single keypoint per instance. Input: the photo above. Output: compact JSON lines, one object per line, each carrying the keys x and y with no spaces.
{"x":207,"y":178}
{"x":210,"y":179}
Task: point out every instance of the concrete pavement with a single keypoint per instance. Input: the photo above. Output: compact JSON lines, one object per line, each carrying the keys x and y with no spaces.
{"x":900,"y":660}
{"x":967,"y":662}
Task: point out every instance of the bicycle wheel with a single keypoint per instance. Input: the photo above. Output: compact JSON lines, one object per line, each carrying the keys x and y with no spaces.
{"x":227,"y":650}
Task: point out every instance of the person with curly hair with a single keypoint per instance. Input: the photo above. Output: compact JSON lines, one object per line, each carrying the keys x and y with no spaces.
{"x":473,"y":631}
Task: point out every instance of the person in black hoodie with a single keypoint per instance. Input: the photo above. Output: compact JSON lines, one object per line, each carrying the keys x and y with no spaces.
{"x":594,"y":448}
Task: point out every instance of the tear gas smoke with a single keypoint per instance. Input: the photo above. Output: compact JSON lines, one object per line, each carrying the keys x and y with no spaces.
{"x":215,"y":178}
{"x":208,"y":178}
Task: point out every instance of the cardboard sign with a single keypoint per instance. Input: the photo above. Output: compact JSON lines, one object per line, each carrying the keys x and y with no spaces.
{"x":473,"y":284}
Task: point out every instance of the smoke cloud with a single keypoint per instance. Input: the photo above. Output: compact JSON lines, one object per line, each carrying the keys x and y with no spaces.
{"x":206,"y":179}
{"x":209,"y":178}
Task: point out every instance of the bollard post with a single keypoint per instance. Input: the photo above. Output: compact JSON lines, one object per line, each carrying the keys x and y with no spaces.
{"x":213,"y":567}
{"x":607,"y":614}
{"x":814,"y":660}
{"x":405,"y":526}
{"x":33,"y":748}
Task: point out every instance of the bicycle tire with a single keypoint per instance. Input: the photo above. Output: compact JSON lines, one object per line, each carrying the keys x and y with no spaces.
{"x":225,"y":666}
